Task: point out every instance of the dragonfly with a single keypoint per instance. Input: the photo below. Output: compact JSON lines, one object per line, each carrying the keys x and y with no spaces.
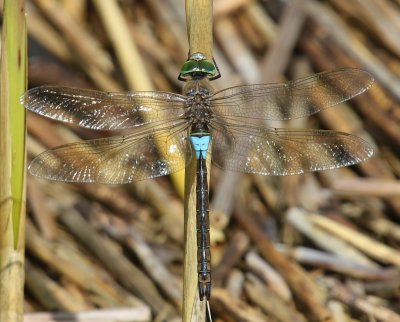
{"x":170,"y":130}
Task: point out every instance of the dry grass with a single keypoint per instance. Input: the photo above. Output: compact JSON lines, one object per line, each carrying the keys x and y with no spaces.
{"x":99,"y":247}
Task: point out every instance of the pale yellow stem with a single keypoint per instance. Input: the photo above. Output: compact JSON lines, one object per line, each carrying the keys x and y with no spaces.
{"x":199,"y":27}
{"x":12,"y":162}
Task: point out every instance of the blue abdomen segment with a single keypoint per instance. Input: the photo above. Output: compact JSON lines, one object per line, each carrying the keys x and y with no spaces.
{"x":200,"y":143}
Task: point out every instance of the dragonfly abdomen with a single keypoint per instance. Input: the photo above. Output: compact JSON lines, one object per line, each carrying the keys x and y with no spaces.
{"x":203,"y":230}
{"x":200,"y":142}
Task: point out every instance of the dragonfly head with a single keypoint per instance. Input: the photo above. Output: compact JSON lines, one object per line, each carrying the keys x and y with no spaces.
{"x":198,"y":67}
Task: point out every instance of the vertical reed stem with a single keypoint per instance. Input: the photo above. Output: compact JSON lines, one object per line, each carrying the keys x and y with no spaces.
{"x":199,"y":28}
{"x":12,"y":162}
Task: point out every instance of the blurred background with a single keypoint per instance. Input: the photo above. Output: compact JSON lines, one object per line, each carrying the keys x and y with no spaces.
{"x":96,"y":247}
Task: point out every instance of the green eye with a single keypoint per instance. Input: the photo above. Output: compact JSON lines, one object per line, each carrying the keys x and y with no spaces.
{"x":198,"y":65}
{"x":203,"y":66}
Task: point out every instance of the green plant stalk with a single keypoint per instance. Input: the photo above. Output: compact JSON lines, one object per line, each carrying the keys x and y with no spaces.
{"x":12,"y":161}
{"x":199,"y":28}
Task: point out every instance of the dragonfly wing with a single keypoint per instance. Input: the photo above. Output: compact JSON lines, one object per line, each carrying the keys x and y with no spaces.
{"x":293,"y":99}
{"x":287,"y":152}
{"x":114,"y":160}
{"x":103,"y":110}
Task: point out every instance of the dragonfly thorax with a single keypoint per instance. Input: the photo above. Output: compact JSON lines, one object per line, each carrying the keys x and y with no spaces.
{"x":198,"y":105}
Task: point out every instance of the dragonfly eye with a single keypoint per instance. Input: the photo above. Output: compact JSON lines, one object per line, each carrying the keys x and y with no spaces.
{"x":198,"y":68}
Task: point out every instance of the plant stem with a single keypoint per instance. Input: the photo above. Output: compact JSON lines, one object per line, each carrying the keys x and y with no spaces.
{"x":199,"y":28}
{"x":12,"y":162}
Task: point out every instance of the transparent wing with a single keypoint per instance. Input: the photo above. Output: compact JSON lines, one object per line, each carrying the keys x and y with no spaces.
{"x":298,"y":98}
{"x":115,"y":160}
{"x":103,"y":110}
{"x":286,"y":152}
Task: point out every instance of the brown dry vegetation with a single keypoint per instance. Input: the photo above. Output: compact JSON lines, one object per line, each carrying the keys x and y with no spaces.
{"x":315,"y":247}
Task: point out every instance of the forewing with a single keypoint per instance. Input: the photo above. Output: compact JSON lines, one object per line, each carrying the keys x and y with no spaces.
{"x":114,"y":160}
{"x":293,"y":99}
{"x":103,"y":110}
{"x":287,"y":152}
